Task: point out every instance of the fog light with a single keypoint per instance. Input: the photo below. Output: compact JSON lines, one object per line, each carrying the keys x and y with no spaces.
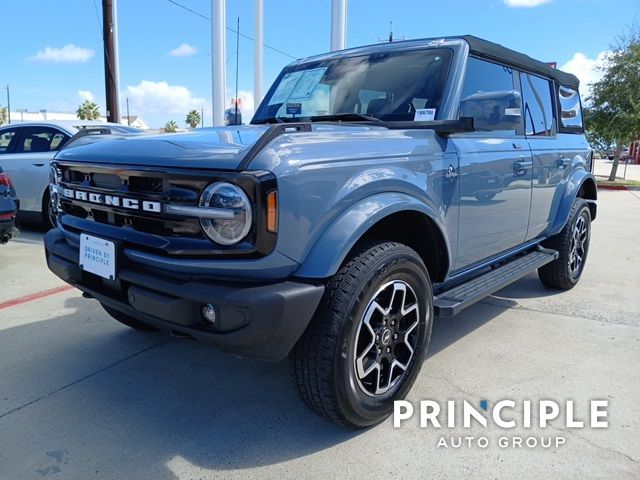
{"x":208,"y":313}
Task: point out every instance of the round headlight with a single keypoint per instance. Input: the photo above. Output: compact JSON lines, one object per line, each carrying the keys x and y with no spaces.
{"x":226,"y":231}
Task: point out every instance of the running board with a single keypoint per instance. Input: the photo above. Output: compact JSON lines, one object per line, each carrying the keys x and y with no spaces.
{"x":452,"y":301}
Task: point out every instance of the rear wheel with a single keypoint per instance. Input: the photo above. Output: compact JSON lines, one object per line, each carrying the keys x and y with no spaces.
{"x":572,"y":243}
{"x":366,"y":343}
{"x":128,"y":320}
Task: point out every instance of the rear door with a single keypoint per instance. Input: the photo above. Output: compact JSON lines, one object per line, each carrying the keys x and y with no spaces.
{"x":28,"y":163}
{"x":495,"y":171}
{"x":551,"y":166}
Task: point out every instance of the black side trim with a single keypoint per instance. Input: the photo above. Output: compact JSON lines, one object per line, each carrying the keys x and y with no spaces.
{"x":441,"y":127}
{"x":273,"y":132}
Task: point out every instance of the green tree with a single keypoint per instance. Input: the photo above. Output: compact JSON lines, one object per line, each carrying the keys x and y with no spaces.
{"x":614,"y":105}
{"x":193,"y":118}
{"x":88,"y":111}
{"x":3,"y":115}
{"x":171,"y":127}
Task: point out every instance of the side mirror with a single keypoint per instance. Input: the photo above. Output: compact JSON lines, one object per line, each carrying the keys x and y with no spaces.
{"x":494,"y":110}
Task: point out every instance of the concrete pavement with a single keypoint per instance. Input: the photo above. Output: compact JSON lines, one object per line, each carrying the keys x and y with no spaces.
{"x":602,"y":167}
{"x":83,"y":397}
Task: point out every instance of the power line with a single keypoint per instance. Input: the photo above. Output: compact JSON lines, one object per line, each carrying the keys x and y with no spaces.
{"x":232,"y":30}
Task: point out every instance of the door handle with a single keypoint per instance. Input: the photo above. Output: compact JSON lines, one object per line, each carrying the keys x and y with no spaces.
{"x":522,"y":165}
{"x":38,"y":164}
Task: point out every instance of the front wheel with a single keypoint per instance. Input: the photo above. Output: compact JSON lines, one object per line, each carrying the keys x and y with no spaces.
{"x":366,"y":343}
{"x":572,"y":243}
{"x":48,"y":215}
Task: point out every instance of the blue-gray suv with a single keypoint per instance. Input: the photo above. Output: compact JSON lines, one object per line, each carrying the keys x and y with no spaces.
{"x":375,"y":188}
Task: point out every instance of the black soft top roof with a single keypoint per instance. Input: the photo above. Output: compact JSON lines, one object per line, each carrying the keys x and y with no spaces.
{"x":497,"y":52}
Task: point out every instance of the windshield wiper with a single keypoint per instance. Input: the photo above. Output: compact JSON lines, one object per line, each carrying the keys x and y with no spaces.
{"x":345,"y":117}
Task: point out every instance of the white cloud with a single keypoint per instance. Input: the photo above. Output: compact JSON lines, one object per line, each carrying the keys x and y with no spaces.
{"x":525,"y":3}
{"x":585,"y":69}
{"x":67,"y":54}
{"x":151,"y":99}
{"x":184,"y":50}
{"x":85,"y":95}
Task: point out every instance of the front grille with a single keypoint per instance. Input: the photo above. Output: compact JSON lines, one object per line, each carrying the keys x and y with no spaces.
{"x":152,"y":186}
{"x":157,"y":231}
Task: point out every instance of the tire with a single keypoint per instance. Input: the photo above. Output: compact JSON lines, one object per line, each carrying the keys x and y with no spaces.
{"x":329,"y":360}
{"x":47,"y":212}
{"x":128,"y":321}
{"x":572,"y":243}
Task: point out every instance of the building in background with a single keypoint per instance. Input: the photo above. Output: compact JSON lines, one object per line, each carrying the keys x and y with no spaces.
{"x":46,"y":116}
{"x":134,"y":121}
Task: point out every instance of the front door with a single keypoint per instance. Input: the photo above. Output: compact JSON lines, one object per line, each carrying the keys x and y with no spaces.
{"x":495,"y":170}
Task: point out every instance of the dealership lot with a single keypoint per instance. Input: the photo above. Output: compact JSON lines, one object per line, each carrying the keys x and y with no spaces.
{"x":83,"y":397}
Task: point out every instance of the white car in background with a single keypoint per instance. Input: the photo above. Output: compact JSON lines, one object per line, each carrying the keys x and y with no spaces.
{"x":25,"y":151}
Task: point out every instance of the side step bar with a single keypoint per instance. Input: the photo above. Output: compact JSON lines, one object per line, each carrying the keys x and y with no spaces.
{"x":451,"y":302}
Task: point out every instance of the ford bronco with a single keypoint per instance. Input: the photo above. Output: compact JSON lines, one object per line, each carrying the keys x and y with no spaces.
{"x":375,"y":188}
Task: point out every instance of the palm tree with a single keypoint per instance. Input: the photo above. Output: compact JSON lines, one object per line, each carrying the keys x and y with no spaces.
{"x":3,"y":115}
{"x":88,"y":111}
{"x":171,"y":127}
{"x":193,"y":118}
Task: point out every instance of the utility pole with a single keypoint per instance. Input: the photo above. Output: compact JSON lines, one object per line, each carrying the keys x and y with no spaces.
{"x":109,"y":37}
{"x":128,"y":116}
{"x":8,"y":105}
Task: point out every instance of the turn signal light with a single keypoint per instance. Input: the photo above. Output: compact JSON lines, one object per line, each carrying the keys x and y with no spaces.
{"x":272,"y":211}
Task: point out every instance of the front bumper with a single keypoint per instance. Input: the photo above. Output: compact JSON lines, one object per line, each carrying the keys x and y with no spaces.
{"x":261,"y":320}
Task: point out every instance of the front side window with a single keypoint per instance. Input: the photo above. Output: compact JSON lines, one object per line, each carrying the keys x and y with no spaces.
{"x":538,"y":109}
{"x":388,"y":86}
{"x":40,"y":139}
{"x":570,"y":108}
{"x":490,"y":97}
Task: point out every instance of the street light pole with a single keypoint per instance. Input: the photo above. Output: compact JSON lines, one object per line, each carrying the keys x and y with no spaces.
{"x":218,"y":59}
{"x":258,"y":51}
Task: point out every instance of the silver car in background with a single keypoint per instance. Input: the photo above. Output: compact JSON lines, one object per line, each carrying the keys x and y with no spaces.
{"x":25,"y":151}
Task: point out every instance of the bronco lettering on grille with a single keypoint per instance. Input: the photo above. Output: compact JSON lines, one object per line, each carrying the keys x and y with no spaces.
{"x":112,"y":200}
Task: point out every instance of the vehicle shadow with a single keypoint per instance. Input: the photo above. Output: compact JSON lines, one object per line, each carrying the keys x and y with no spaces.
{"x":179,"y":402}
{"x":529,"y":286}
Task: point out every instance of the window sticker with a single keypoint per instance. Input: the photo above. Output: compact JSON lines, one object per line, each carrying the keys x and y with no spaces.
{"x":286,"y":86}
{"x":307,"y":84}
{"x":424,"y":115}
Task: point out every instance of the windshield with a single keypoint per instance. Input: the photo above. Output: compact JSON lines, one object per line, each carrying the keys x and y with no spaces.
{"x":388,"y":86}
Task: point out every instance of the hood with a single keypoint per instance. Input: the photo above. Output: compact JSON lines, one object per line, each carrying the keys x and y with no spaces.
{"x":221,"y":148}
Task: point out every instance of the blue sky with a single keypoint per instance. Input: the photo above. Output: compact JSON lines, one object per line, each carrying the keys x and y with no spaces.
{"x":42,"y":73}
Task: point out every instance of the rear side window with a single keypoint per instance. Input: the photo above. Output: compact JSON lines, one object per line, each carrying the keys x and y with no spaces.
{"x":570,"y":108}
{"x":538,"y":106}
{"x":6,"y":138}
{"x":490,"y":97}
